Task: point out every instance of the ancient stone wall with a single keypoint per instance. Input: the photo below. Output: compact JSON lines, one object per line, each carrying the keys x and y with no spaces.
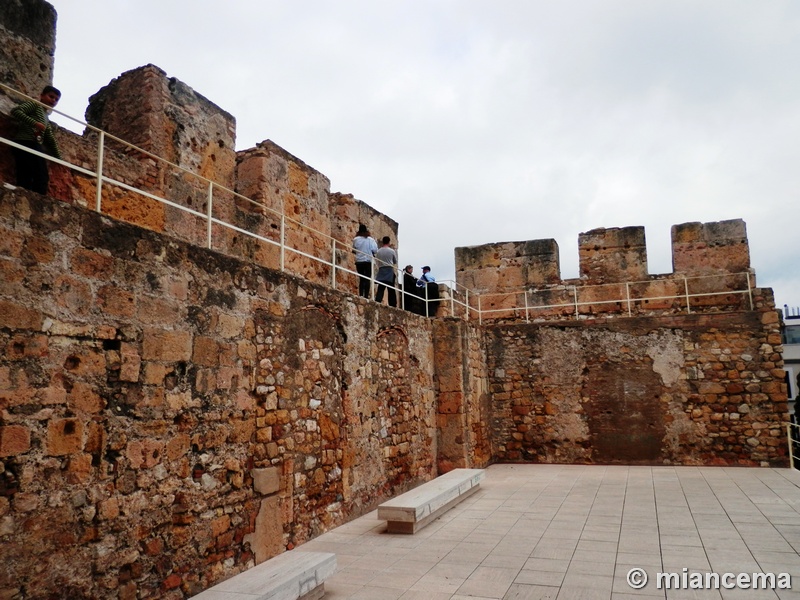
{"x":28,"y":34}
{"x":171,"y":416}
{"x":693,"y":389}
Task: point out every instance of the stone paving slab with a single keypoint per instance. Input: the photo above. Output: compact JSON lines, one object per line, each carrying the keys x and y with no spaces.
{"x":573,"y":532}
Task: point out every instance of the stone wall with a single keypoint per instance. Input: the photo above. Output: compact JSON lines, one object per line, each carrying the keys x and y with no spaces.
{"x":692,"y":389}
{"x":28,"y":34}
{"x":171,"y":415}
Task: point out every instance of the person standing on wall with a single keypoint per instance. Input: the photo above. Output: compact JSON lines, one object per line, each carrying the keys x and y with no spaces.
{"x":430,"y":291}
{"x":34,"y":131}
{"x":426,"y":277}
{"x":387,"y":262}
{"x":365,"y":248}
{"x":411,"y":291}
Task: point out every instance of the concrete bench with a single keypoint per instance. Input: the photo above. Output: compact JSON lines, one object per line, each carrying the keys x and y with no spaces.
{"x":410,"y":512}
{"x":293,"y":575}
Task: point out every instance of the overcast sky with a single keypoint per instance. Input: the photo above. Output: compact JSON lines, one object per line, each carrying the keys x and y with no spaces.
{"x":478,"y":121}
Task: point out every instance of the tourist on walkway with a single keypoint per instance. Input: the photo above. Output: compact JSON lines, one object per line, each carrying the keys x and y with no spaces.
{"x":365,"y":248}
{"x":35,"y":132}
{"x":430,"y":291}
{"x":411,"y":292}
{"x":387,"y":263}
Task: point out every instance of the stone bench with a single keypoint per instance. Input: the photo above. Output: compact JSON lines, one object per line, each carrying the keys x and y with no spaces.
{"x":410,"y":512}
{"x":293,"y":575}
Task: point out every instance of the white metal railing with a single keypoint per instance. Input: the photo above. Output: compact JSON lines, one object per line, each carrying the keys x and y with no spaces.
{"x":102,"y":177}
{"x":631,"y":297}
{"x":793,"y":438}
{"x":575,"y":300}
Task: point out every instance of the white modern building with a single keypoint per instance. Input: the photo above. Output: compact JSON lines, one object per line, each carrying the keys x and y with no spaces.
{"x":790,"y":334}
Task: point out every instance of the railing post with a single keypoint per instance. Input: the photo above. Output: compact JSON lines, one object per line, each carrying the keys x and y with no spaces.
{"x":466,"y":302}
{"x":686,"y":293}
{"x":333,"y":263}
{"x":791,"y":445}
{"x":100,"y":152}
{"x":527,"y":316}
{"x":453,"y":301}
{"x":749,"y":290}
{"x":628,"y":296}
{"x":480,"y":312}
{"x":209,"y":213}
{"x":575,"y":297}
{"x":283,"y":241}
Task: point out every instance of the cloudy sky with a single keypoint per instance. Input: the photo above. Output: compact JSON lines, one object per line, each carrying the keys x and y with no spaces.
{"x":479,"y":121}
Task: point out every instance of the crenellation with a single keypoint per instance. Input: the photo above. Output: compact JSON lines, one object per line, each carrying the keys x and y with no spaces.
{"x":612,"y":255}
{"x":712,"y":273}
{"x":719,"y":247}
{"x":506,"y":266}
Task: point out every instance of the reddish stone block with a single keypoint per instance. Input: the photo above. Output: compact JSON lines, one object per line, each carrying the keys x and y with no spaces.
{"x":79,"y":468}
{"x":91,"y":264}
{"x":14,"y":316}
{"x":131,"y":363}
{"x":14,"y":440}
{"x":64,"y":436}
{"x":83,"y":398}
{"x":155,"y":310}
{"x":172,"y":582}
{"x":220,"y":525}
{"x":206,"y":351}
{"x":40,"y":250}
{"x":177,"y":446}
{"x":11,"y":243}
{"x":158,"y":344}
{"x":153,"y":547}
{"x":116,"y":301}
{"x":450,"y":402}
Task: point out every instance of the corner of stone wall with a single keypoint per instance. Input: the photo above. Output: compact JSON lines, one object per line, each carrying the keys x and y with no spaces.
{"x":462,"y":410}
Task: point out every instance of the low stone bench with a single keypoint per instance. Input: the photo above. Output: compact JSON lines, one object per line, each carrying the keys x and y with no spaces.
{"x":410,"y":512}
{"x":293,"y":575}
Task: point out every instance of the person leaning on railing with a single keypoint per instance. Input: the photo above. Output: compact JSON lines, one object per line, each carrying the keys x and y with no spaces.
{"x":35,"y":131}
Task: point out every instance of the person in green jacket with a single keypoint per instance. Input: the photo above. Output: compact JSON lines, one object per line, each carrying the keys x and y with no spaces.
{"x":34,"y":131}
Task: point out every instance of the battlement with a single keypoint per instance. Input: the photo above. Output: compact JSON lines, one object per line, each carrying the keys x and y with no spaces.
{"x":711,"y":271}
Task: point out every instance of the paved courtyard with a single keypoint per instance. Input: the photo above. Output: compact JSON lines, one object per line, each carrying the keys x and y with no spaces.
{"x":574,"y":532}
